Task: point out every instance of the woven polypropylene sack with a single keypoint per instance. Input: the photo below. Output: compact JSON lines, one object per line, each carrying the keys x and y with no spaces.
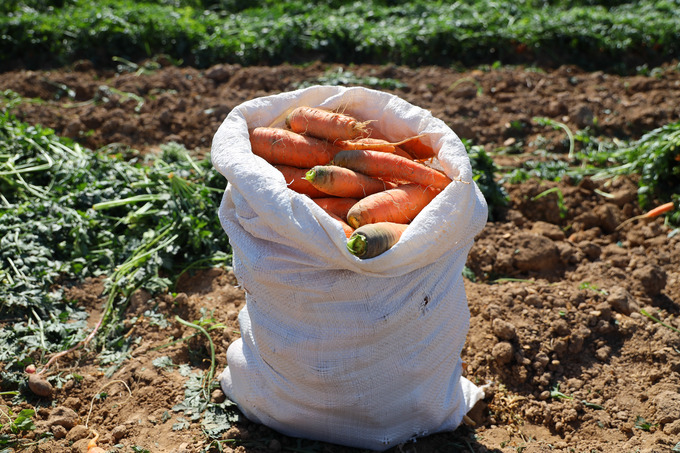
{"x":364,"y":353}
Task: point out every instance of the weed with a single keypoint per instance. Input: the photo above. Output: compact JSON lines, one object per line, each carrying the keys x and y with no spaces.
{"x":560,"y":200}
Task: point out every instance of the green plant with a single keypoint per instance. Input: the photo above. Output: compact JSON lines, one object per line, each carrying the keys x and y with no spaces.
{"x":654,"y":157}
{"x":67,"y":213}
{"x":484,"y":174}
{"x":560,"y":199}
{"x":14,"y":426}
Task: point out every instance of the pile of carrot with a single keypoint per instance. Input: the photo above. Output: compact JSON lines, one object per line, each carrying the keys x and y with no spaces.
{"x":373,"y":187}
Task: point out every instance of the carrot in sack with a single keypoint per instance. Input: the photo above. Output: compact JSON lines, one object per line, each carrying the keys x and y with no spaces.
{"x":324,"y":124}
{"x":390,"y":167}
{"x":345,"y":226}
{"x":338,"y":206}
{"x":400,"y":205}
{"x":413,"y":146}
{"x":295,"y":178}
{"x":281,"y":146}
{"x":343,"y":182}
{"x":373,"y":144}
{"x":371,"y":240}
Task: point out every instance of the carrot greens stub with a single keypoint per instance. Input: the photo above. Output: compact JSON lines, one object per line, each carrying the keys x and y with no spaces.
{"x":369,"y":241}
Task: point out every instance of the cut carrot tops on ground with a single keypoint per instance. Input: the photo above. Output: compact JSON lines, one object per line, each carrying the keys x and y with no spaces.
{"x":374,"y":239}
{"x":280,"y":146}
{"x":324,"y":124}
{"x":343,"y":182}
{"x":400,"y":205}
{"x":390,"y":167}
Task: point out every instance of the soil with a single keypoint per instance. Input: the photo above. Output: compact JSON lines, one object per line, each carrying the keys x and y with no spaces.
{"x":556,"y":300}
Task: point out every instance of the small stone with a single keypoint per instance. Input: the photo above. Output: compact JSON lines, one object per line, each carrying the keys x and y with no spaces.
{"x":535,"y":253}
{"x":78,"y":432}
{"x":667,"y":407}
{"x":534,"y":300}
{"x":548,"y":230}
{"x":560,"y":327}
{"x":622,"y":301}
{"x":119,"y":432}
{"x":62,"y":416}
{"x":503,"y":329}
{"x":59,"y":432}
{"x":603,"y":353}
{"x":653,"y":278}
{"x":503,"y":352}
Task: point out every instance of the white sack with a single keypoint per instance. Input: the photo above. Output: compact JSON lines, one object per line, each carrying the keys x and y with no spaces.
{"x":364,"y":353}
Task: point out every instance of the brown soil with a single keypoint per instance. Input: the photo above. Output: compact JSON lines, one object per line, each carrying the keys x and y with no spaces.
{"x":567,"y":312}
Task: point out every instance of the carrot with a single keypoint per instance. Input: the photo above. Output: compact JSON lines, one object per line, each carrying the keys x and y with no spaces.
{"x":413,"y":146}
{"x":400,"y":205}
{"x":295,"y":178}
{"x":281,"y":146}
{"x":390,"y":167}
{"x":338,"y":206}
{"x":419,"y":150}
{"x":371,"y":240}
{"x":343,"y":182}
{"x":92,"y":445}
{"x":324,"y":124}
{"x":664,"y":208}
{"x":371,"y":143}
{"x":345,"y":226}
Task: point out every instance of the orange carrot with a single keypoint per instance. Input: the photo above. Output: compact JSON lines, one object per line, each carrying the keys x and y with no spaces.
{"x":371,"y":240}
{"x":338,"y":206}
{"x":343,"y":182}
{"x":399,"y":205}
{"x":345,"y":226}
{"x":415,"y":147}
{"x":419,"y":150}
{"x":92,"y":445}
{"x":295,"y":178}
{"x":372,"y":143}
{"x":280,"y":146}
{"x":324,"y":124}
{"x":662,"y":209}
{"x":390,"y":167}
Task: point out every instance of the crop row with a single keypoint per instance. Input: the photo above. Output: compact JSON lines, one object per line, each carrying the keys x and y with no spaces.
{"x":36,"y":33}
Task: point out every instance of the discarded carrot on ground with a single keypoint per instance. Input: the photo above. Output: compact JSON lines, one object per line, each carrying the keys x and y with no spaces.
{"x":92,"y":445}
{"x":371,"y":240}
{"x":662,"y":209}
{"x":295,"y":178}
{"x":400,"y":205}
{"x":320,"y":123}
{"x":391,"y":167}
{"x":343,"y":182}
{"x":281,"y":146}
